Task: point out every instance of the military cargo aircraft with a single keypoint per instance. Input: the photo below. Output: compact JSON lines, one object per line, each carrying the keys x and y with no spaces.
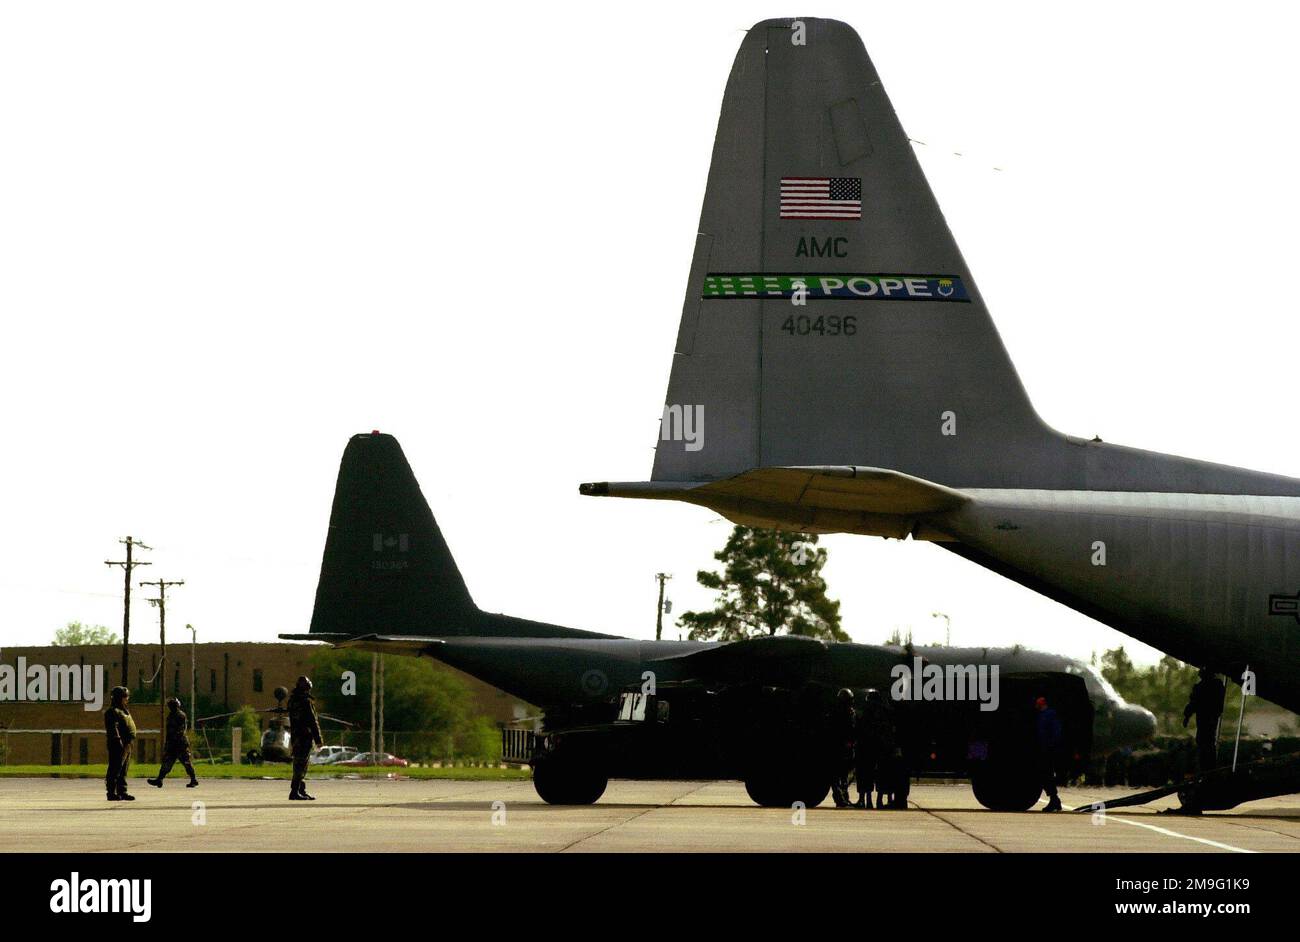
{"x":853,"y":382}
{"x":754,"y":710}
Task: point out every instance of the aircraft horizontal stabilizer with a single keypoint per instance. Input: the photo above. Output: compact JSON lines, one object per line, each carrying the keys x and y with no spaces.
{"x":813,"y":499}
{"x":391,"y":644}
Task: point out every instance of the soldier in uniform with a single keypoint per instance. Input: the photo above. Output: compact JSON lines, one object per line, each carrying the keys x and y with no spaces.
{"x":873,"y":734}
{"x":843,"y":720}
{"x":1048,"y":732}
{"x":176,"y":746}
{"x":119,"y":729}
{"x":304,"y":732}
{"x":889,"y":760}
{"x":1207,"y":704}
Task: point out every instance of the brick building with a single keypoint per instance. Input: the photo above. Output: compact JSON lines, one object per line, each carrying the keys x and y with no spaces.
{"x":227,"y":675}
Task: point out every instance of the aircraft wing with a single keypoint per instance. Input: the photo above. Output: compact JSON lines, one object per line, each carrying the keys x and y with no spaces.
{"x":776,"y":659}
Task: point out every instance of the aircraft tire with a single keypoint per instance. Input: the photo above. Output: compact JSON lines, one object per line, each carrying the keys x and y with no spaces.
{"x":561,"y":782}
{"x":1003,"y":790}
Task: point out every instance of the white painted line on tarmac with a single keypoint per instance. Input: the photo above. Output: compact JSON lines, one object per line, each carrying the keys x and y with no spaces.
{"x":1114,"y":816}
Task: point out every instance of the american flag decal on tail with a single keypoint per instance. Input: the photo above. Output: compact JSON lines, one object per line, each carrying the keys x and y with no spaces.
{"x":821,"y":197}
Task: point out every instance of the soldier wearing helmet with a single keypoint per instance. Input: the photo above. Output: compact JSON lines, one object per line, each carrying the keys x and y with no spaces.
{"x":841,"y":746}
{"x":304,"y":733}
{"x":176,"y":746}
{"x":119,"y":730}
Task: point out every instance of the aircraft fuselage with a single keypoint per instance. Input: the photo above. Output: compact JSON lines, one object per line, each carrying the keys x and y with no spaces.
{"x":1205,"y":577}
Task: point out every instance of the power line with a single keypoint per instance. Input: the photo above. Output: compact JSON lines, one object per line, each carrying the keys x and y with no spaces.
{"x":161,"y":603}
{"x":661,"y":577}
{"x":127,"y":565}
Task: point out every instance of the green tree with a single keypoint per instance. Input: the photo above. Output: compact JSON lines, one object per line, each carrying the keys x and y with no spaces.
{"x":75,"y":633}
{"x":1119,"y":670}
{"x":1163,"y":688}
{"x":246,"y":718}
{"x":420,"y":696}
{"x":1170,"y":685}
{"x":771,"y":583}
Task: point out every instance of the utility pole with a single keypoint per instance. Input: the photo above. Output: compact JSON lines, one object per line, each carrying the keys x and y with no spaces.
{"x":194,"y":671}
{"x":381,"y":703}
{"x":947,"y":631}
{"x":374,"y":677}
{"x":661,"y":578}
{"x":161,"y":603}
{"x":1241,"y":716}
{"x":127,"y":565}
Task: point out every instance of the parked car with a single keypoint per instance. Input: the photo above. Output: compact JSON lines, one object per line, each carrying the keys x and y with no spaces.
{"x":373,"y":758}
{"x":329,"y":755}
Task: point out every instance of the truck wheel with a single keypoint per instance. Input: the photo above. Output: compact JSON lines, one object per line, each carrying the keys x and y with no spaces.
{"x":814,"y":793}
{"x":561,"y":781}
{"x":766,"y":792}
{"x":776,"y":791}
{"x":1005,"y":790}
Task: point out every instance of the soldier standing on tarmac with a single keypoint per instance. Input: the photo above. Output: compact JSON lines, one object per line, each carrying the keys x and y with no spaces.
{"x":304,"y":732}
{"x":869,"y":742}
{"x":1207,"y":704}
{"x":119,"y":728}
{"x":889,"y":761}
{"x":841,"y":745}
{"x":1048,"y":732}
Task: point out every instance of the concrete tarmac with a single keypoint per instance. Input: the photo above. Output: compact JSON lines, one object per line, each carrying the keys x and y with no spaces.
{"x":406,"y":815}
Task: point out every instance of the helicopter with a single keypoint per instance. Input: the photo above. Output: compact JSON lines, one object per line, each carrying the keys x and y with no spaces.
{"x":274,"y":746}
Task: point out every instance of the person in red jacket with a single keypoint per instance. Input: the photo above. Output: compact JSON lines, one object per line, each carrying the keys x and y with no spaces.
{"x":1048,"y":731}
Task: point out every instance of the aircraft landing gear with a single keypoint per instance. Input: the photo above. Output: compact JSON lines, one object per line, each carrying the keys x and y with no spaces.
{"x":567,"y":780}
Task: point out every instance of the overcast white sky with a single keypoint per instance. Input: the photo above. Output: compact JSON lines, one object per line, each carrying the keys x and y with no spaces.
{"x":232,"y":235}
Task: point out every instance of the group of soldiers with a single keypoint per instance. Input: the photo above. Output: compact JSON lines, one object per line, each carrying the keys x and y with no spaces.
{"x":864,"y":743}
{"x":120,"y":731}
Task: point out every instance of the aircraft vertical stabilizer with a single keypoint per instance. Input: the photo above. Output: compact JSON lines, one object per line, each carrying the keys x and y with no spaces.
{"x":813,"y":178}
{"x":387,"y":573}
{"x":830,"y":319}
{"x":386,"y":565}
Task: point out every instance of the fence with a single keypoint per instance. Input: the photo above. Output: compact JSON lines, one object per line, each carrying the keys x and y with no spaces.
{"x":212,"y":743}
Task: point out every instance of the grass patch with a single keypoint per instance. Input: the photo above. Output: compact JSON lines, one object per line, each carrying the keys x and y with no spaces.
{"x":273,"y":770}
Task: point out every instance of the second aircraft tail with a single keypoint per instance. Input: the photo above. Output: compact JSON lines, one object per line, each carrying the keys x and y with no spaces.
{"x":387,"y":570}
